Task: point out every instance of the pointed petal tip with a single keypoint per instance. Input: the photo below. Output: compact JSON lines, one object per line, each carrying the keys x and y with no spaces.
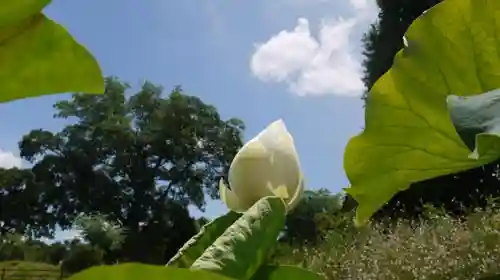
{"x":279,"y":123}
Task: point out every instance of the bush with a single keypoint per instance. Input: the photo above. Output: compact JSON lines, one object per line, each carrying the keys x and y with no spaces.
{"x":82,"y":256}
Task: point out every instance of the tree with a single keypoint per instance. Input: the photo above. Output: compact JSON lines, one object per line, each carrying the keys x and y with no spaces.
{"x":56,"y":253}
{"x":102,"y":234}
{"x":81,"y":256}
{"x":138,"y":160}
{"x":385,"y":37}
{"x":303,"y":222}
{"x":21,"y":211}
{"x":454,"y":193}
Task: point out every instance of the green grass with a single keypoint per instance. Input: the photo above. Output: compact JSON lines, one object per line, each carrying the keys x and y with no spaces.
{"x":22,"y":270}
{"x":437,"y":248}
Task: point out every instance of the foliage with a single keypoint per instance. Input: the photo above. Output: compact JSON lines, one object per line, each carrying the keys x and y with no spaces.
{"x":99,"y":232}
{"x":139,"y":271}
{"x":21,"y":211}
{"x":385,"y":36}
{"x":407,"y":109}
{"x":438,"y":246}
{"x":39,"y":56}
{"x":11,"y":247}
{"x":140,"y":161}
{"x":278,"y":272}
{"x":306,"y":223}
{"x":241,"y":250}
{"x":208,"y":233}
{"x":456,"y":192}
{"x":267,"y":169}
{"x":81,"y":256}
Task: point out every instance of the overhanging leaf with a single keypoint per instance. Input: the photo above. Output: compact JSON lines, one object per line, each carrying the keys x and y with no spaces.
{"x":493,"y":277}
{"x":409,"y":137}
{"x":201,"y":241}
{"x":134,"y":271}
{"x":38,"y":56}
{"x":477,"y":121}
{"x":240,"y":250}
{"x":280,"y":272}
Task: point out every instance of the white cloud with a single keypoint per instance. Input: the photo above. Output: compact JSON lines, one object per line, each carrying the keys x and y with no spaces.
{"x":315,"y":66}
{"x":9,"y":160}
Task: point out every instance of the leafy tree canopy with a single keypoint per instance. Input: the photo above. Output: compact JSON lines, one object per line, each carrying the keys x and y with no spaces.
{"x":138,"y":159}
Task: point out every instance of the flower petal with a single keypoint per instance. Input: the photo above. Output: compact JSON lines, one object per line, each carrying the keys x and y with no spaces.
{"x":297,"y":196}
{"x":249,"y":173}
{"x":276,"y":137}
{"x":229,"y":198}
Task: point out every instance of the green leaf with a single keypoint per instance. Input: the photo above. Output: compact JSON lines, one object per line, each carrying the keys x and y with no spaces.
{"x":409,"y":137}
{"x":493,"y":277}
{"x":39,"y":56}
{"x":239,"y":252}
{"x":477,"y":121}
{"x":134,"y":271}
{"x":201,"y":241}
{"x":14,"y":11}
{"x":280,"y":272}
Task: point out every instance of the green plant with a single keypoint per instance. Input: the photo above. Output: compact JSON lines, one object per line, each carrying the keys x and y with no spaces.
{"x":100,"y":232}
{"x":410,"y":124}
{"x":414,"y":129}
{"x":39,"y":56}
{"x":82,"y":256}
{"x":265,"y":182}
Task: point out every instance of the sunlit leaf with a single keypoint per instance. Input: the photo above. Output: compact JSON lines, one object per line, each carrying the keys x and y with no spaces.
{"x":451,"y":49}
{"x":38,"y":56}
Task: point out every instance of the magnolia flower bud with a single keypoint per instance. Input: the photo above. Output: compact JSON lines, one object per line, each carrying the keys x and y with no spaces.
{"x":268,"y":165}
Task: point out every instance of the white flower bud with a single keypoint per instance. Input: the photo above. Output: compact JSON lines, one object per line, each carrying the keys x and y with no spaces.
{"x":267,"y":165}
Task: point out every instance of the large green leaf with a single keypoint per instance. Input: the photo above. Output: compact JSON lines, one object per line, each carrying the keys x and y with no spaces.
{"x":284,"y":272}
{"x":201,"y":241}
{"x":493,"y":277}
{"x":409,"y":137}
{"x":240,"y":250}
{"x":477,"y":121}
{"x":38,"y":56}
{"x":134,"y":271}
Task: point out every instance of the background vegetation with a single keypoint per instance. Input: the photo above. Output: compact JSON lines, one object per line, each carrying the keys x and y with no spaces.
{"x":128,"y":166}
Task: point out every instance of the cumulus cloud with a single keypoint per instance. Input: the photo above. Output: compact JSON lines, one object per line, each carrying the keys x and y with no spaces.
{"x":315,"y":65}
{"x":9,"y":160}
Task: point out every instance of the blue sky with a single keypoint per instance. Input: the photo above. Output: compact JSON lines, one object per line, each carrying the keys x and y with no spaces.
{"x":256,"y":60}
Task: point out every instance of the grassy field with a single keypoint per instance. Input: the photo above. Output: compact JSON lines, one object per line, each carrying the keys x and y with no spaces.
{"x":436,"y":248}
{"x":21,"y":270}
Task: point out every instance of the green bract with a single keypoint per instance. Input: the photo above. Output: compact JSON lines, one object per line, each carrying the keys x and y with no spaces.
{"x":267,"y":165}
{"x":38,"y":56}
{"x":454,"y":48}
{"x":193,"y":249}
{"x":242,"y":248}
